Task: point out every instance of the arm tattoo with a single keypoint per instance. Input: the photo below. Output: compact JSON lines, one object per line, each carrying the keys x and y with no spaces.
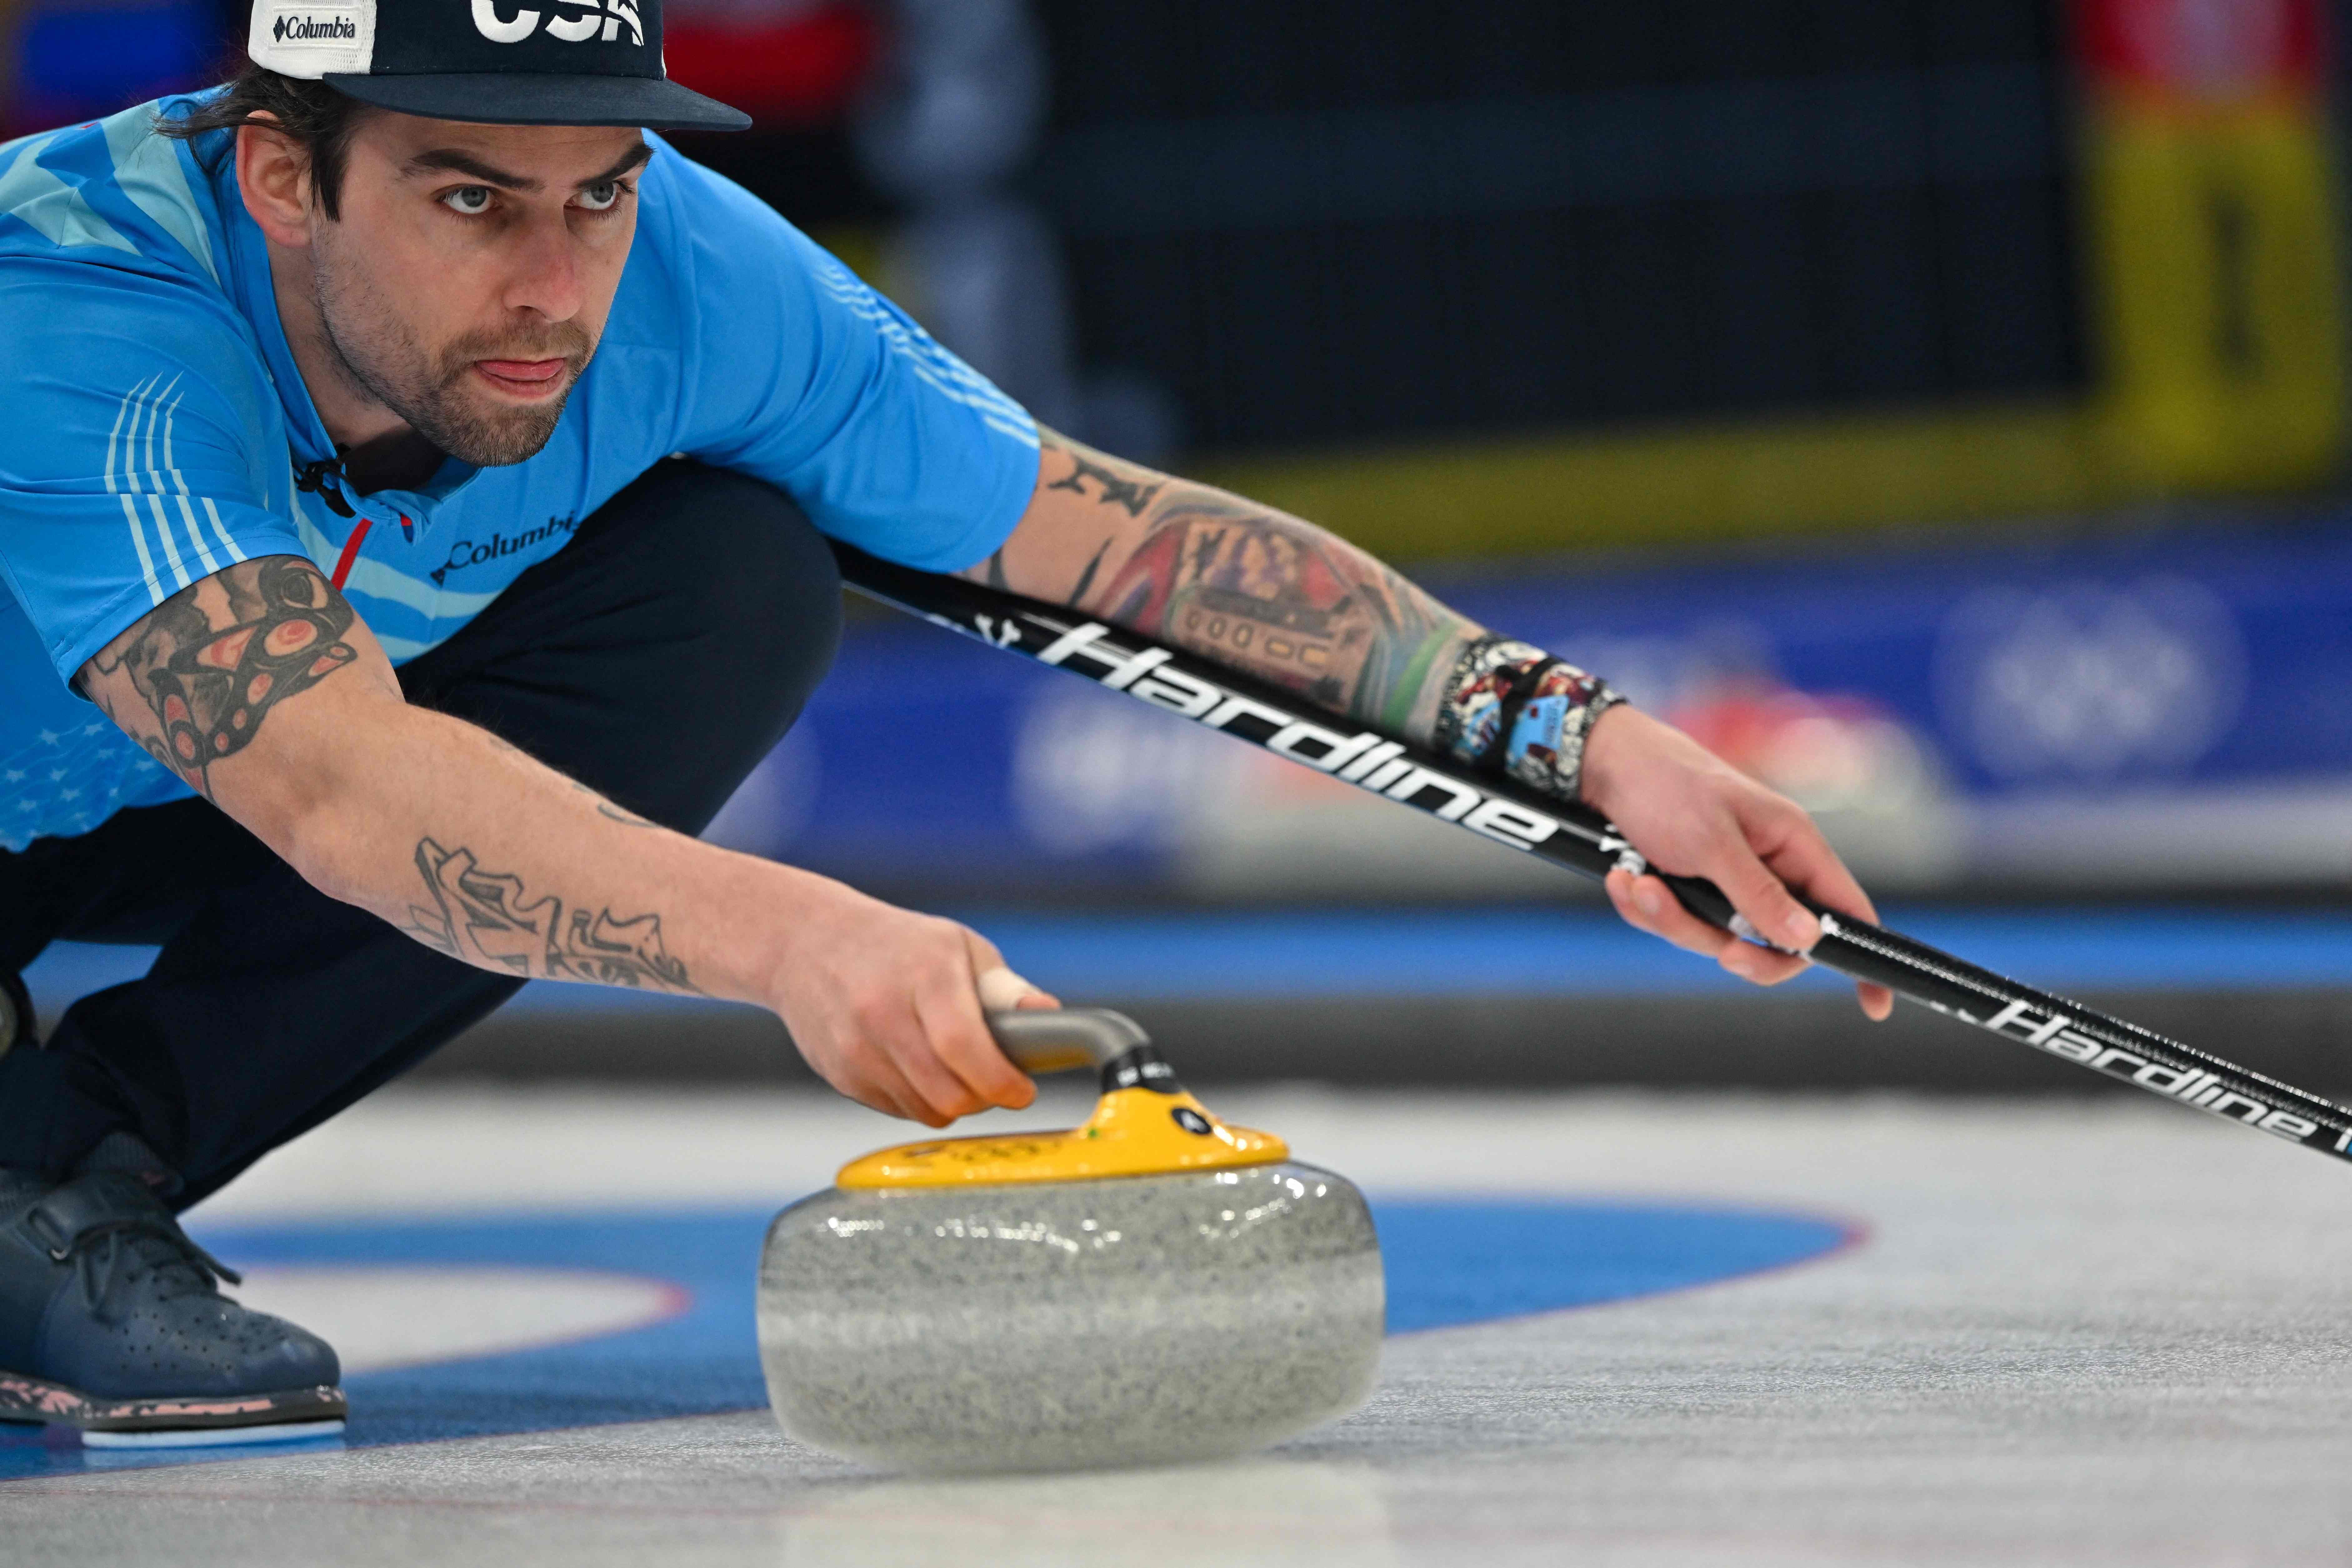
{"x":211,"y":660}
{"x":1254,"y":589}
{"x":1288,"y":603}
{"x":485,"y":918}
{"x":1114,"y":489}
{"x":1087,"y":577}
{"x":1130,"y":493}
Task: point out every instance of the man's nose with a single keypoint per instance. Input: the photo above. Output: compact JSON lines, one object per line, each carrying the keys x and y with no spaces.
{"x":546,"y":278}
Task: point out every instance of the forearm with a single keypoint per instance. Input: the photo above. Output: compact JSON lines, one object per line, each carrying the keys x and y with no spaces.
{"x":1281,"y":599}
{"x":452,"y":835}
{"x":471,"y":847}
{"x":476,"y":850}
{"x":1241,"y":583}
{"x":1265,"y":592}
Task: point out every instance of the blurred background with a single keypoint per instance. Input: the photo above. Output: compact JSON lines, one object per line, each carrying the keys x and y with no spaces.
{"x":1939,"y":407}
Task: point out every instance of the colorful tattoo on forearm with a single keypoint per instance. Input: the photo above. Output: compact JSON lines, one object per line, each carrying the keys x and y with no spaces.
{"x":1512,"y":708}
{"x":1286,"y":601}
{"x":1283,"y":600}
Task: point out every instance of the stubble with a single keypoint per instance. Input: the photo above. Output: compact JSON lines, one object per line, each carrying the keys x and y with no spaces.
{"x":379,"y":354}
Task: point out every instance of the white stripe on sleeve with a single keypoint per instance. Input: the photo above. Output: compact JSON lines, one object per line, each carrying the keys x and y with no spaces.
{"x":130,"y":510}
{"x":187,"y":513}
{"x":227,"y":544}
{"x":155,"y":502}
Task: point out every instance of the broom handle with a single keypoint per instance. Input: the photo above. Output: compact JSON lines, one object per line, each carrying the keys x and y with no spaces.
{"x":1575,"y":836}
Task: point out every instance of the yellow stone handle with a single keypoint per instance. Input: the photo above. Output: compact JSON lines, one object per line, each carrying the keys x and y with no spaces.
{"x":1062,"y":1040}
{"x":1144,"y":1125}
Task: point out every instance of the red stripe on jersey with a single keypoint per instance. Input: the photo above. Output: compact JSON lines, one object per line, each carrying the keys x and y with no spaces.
{"x":352,"y":551}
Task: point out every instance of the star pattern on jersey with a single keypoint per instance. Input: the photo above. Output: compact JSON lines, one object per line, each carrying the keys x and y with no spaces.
{"x":69,"y":780}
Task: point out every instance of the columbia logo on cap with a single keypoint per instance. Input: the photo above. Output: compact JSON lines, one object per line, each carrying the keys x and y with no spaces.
{"x":499,"y":62}
{"x":311,"y":29}
{"x":310,"y":41}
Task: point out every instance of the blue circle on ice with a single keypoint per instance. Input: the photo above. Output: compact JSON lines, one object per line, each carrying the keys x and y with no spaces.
{"x":1450,"y":1263}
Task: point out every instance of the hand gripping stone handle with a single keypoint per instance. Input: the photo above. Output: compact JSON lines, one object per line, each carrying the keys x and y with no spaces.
{"x":1059,"y":1039}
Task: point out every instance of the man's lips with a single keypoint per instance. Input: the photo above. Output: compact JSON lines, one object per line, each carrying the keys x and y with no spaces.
{"x":523,"y":377}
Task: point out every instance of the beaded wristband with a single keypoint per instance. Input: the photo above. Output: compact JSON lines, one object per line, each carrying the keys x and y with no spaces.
{"x":1512,"y":708}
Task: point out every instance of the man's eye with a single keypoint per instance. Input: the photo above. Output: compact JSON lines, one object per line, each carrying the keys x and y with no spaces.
{"x":601,"y":197}
{"x":472,"y":201}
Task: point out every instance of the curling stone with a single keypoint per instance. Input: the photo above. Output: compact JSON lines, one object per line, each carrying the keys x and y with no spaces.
{"x":1151,"y":1288}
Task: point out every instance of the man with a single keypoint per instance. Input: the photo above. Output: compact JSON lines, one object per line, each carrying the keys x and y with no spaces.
{"x":412,"y":521}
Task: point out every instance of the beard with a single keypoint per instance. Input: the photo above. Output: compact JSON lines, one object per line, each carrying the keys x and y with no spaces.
{"x":434,"y":390}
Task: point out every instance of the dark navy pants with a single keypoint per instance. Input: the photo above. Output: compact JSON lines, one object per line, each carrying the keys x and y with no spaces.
{"x":658,"y":657}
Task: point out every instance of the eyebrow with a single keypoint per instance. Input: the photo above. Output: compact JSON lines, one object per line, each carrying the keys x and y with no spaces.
{"x":450,"y":160}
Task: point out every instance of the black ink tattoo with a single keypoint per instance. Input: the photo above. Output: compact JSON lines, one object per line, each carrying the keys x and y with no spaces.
{"x":485,"y":918}
{"x":608,"y":811}
{"x":211,"y":660}
{"x":1134,"y":494}
{"x":1087,"y":577}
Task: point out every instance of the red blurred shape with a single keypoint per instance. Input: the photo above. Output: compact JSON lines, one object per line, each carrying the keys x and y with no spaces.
{"x":1824,"y":750}
{"x":802,"y":71}
{"x":2204,"y":51}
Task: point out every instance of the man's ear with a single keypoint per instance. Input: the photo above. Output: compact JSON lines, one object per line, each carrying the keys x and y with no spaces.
{"x":273,"y":173}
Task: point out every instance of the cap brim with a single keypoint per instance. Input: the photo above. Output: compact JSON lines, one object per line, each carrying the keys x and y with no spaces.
{"x":529,"y":99}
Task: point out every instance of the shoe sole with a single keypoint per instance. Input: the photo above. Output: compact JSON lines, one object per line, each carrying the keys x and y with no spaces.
{"x":214,"y":1437}
{"x":285,"y":1416}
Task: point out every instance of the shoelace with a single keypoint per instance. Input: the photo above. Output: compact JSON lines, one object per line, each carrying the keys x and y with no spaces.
{"x":182,"y":1268}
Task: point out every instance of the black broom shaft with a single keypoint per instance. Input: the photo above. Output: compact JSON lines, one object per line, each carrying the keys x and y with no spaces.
{"x":1579,"y":838}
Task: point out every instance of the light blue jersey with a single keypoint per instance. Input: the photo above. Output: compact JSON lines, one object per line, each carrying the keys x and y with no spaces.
{"x":155,"y":427}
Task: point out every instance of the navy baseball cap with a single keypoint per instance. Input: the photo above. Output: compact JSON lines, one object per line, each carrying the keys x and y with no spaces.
{"x":491,"y":62}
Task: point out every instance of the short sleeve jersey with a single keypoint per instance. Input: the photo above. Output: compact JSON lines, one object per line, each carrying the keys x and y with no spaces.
{"x":158,"y":431}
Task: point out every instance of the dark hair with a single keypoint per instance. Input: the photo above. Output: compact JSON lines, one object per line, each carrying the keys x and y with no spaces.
{"x":311,"y":112}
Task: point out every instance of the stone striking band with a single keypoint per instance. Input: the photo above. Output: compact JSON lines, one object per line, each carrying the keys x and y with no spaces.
{"x":1514,"y":710}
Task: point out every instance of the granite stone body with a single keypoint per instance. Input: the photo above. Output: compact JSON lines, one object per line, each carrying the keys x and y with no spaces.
{"x":1042,"y":1326}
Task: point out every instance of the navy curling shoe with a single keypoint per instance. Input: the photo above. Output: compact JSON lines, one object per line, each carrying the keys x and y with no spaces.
{"x":112,"y":1321}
